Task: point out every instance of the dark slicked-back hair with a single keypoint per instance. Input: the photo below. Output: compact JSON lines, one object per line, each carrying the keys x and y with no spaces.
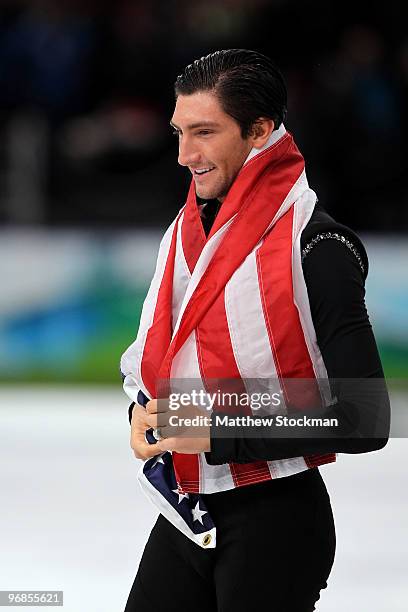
{"x":247,"y":84}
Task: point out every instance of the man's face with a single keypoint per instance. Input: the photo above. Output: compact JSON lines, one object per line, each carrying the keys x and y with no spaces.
{"x":210,"y":143}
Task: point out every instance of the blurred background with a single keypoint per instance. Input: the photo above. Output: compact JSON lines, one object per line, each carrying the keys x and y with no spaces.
{"x":88,"y":182}
{"x":88,"y":166}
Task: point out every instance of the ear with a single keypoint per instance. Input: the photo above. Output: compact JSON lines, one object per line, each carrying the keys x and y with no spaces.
{"x":260,"y":132}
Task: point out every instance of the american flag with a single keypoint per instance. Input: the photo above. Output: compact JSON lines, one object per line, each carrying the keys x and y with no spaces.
{"x":228,"y":306}
{"x":186,"y":511}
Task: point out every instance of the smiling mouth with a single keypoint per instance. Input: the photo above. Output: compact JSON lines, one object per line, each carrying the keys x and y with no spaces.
{"x":202,"y":171}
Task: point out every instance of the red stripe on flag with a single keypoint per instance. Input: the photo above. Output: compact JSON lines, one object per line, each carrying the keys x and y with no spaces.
{"x":220,"y":371}
{"x":192,"y":231}
{"x":248,"y":473}
{"x":292,"y":359}
{"x":256,"y":206}
{"x":159,"y":335}
{"x":214,"y":348}
{"x":286,"y":336}
{"x":187,"y":471}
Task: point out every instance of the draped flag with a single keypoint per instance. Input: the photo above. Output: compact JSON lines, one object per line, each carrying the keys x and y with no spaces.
{"x":186,"y":511}
{"x":233,"y":305}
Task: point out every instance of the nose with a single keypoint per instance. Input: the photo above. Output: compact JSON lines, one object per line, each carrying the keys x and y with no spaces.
{"x":188,"y":153}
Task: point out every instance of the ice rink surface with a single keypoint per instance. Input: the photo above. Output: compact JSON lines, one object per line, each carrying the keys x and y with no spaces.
{"x":72,"y":517}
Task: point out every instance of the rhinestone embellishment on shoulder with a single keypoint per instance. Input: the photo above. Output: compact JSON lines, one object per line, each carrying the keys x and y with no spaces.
{"x":334,"y":236}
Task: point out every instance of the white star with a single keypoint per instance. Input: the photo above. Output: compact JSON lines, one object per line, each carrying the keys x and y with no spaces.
{"x":158,"y":460}
{"x":197,"y":513}
{"x":181,"y":496}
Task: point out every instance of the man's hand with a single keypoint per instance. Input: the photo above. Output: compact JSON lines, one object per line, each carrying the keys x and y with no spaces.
{"x":182,"y":438}
{"x":178,"y":430}
{"x":185,"y":445}
{"x":141,"y":422}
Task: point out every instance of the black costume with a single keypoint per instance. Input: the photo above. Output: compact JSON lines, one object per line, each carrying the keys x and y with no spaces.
{"x":291,"y":516}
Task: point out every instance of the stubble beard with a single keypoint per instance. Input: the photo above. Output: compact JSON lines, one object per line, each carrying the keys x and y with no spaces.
{"x":216,"y":192}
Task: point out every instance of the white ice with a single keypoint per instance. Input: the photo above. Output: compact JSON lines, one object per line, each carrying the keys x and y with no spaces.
{"x":72,"y":517}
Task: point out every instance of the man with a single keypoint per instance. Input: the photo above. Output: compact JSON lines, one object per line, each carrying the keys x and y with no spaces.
{"x":254,"y":283}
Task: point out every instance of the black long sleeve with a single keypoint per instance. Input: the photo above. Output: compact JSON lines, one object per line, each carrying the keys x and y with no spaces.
{"x":334,"y":276}
{"x":335,"y":285}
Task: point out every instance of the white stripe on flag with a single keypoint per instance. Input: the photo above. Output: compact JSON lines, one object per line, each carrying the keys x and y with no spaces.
{"x":248,"y":331}
{"x":287,"y":467}
{"x":133,"y":355}
{"x":182,"y":275}
{"x":214,"y":478}
{"x":201,"y":265}
{"x":303,"y":209}
{"x":250,"y":342}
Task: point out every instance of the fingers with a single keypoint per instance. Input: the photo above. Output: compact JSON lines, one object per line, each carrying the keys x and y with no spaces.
{"x":184,"y":438}
{"x":167,"y":444}
{"x":142,"y":420}
{"x":144,"y":451}
{"x":151,"y":406}
{"x":141,"y":448}
{"x":156,"y":406}
{"x":164,"y":445}
{"x":184,"y":445}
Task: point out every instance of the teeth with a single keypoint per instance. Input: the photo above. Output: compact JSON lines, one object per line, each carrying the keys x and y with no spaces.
{"x":203,"y":170}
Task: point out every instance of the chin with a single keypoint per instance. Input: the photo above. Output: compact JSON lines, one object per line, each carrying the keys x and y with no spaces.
{"x":216,"y":190}
{"x":210,"y":194}
{"x":207,"y":195}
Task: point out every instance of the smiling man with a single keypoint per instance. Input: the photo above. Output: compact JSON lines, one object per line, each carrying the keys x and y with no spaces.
{"x":254,"y":282}
{"x":213,"y":150}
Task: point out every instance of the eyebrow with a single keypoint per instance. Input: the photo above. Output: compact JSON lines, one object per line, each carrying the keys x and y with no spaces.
{"x":198,"y":124}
